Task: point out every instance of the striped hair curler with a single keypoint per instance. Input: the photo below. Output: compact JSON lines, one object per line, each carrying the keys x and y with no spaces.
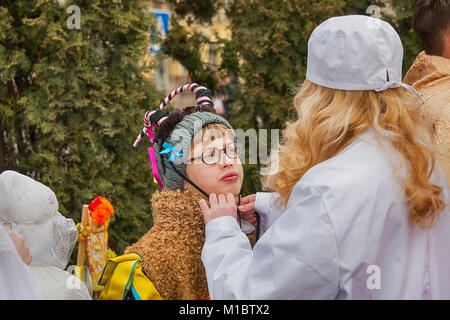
{"x":203,"y":97}
{"x":154,"y":118}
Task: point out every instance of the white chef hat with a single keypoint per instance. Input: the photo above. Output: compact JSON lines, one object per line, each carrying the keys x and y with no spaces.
{"x":356,"y":52}
{"x":30,"y":208}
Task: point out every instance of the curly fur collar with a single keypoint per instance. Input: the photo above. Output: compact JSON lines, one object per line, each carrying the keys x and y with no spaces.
{"x":173,"y":206}
{"x":171,"y":249}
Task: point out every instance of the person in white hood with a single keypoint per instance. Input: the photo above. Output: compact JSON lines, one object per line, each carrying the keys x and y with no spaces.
{"x":29,"y":208}
{"x":359,"y":208}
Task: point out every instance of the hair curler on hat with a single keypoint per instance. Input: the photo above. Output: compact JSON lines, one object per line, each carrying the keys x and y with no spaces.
{"x":356,"y":52}
{"x":167,"y":157}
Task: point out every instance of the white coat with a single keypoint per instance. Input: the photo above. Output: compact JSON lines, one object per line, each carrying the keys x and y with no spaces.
{"x":345,"y":234}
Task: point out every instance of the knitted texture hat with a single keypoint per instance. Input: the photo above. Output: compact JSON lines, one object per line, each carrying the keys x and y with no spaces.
{"x":173,"y":151}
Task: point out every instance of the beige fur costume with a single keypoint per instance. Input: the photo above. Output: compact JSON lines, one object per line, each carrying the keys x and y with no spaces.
{"x":171,"y":249}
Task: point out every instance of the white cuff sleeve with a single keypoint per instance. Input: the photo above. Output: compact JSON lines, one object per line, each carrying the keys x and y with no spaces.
{"x":266,"y":208}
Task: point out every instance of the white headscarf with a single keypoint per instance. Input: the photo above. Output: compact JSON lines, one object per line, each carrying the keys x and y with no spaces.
{"x":356,"y":52}
{"x":30,"y":208}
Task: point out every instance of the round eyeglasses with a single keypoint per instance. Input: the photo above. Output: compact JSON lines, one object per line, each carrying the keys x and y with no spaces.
{"x":214,"y":155}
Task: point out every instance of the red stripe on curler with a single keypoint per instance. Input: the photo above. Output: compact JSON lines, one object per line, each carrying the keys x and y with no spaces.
{"x":161,"y":120}
{"x":203,"y":99}
{"x":199,"y":88}
{"x":147,"y":116}
{"x":186,"y":87}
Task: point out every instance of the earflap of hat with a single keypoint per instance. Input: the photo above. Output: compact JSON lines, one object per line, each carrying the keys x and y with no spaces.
{"x":169,"y":178}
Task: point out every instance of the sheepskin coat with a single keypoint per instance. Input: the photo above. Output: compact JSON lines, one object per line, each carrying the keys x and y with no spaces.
{"x":430,"y":75}
{"x":171,"y":249}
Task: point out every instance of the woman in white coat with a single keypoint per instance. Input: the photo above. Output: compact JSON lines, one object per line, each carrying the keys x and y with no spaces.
{"x":360,"y":211}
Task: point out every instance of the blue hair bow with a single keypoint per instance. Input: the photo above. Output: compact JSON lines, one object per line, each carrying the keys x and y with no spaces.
{"x":168,"y":148}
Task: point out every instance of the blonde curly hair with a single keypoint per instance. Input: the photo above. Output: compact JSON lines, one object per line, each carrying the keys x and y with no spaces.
{"x":331,"y":119}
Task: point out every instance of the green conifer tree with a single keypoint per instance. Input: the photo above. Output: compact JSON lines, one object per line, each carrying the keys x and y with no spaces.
{"x":72,"y":102}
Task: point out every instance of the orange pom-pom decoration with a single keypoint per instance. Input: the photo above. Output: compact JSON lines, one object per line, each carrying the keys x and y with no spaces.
{"x":100,"y":210}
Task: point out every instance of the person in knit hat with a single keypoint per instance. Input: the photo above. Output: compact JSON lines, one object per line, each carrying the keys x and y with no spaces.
{"x":195,"y":154}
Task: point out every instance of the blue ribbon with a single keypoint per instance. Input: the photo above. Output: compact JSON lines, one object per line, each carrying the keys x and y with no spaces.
{"x":168,"y":148}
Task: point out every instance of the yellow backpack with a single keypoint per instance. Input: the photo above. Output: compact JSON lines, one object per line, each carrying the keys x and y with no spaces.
{"x":123,"y":279}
